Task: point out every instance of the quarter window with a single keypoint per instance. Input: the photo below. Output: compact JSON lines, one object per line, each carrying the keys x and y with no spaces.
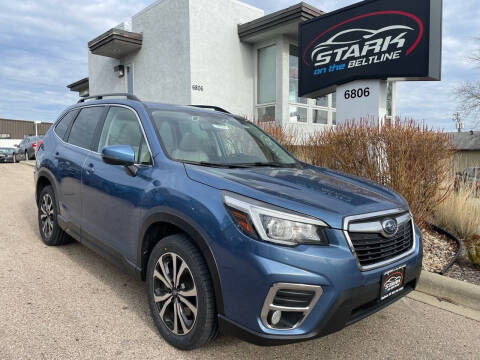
{"x":64,"y":124}
{"x":83,"y":129}
{"x":122,"y":128}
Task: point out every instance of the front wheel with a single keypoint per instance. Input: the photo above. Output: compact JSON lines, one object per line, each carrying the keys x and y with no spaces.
{"x":180,"y":293}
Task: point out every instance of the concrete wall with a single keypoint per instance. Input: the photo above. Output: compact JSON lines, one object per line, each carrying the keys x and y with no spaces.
{"x":161,"y":69}
{"x":221,"y":64}
{"x":162,"y":66}
{"x":101,"y":77}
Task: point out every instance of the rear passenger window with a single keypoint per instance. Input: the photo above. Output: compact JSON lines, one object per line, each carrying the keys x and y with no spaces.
{"x":83,"y":129}
{"x":122,"y":128}
{"x":64,"y":124}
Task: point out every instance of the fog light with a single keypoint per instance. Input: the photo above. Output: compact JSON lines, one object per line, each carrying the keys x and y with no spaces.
{"x":276,"y":316}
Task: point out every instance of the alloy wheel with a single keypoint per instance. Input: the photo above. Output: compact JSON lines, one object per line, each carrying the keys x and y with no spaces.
{"x":47,"y":215}
{"x":175,"y":294}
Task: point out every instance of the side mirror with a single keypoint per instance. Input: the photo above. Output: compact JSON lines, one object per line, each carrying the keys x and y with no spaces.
{"x":16,"y":145}
{"x":118,"y":155}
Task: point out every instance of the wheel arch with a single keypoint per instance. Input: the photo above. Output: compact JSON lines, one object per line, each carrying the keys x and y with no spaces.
{"x":45,"y":178}
{"x":186,"y":225}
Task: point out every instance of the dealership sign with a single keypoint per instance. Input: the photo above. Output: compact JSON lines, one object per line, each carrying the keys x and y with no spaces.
{"x":376,"y":39}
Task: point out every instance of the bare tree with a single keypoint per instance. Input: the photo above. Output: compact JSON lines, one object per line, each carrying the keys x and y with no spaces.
{"x":469,"y":92}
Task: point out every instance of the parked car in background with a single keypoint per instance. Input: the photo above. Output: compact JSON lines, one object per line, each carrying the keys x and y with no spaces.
{"x":470,"y":178}
{"x":7,"y":154}
{"x":27,"y":148}
{"x":228,"y":229}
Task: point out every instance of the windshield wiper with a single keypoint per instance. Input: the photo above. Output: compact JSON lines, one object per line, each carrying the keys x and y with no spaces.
{"x":270,"y":164}
{"x":243,"y":165}
{"x":218,"y":165}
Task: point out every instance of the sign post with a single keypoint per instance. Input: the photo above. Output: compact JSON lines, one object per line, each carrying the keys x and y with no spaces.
{"x":362,"y":99}
{"x":355,"y":50}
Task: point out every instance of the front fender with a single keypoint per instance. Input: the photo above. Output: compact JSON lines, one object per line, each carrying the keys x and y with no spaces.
{"x":194,"y":231}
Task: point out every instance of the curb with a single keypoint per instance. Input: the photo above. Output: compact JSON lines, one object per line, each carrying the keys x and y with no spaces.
{"x":448,"y":289}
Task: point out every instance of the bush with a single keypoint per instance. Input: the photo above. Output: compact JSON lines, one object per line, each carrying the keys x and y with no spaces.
{"x":412,"y":159}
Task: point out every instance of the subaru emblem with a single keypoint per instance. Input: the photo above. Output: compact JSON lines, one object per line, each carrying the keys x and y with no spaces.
{"x":389,"y":227}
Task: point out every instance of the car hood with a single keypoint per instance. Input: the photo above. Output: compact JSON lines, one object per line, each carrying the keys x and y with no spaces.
{"x":322,"y":193}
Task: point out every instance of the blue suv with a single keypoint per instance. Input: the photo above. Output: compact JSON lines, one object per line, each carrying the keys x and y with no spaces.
{"x":230,"y":232}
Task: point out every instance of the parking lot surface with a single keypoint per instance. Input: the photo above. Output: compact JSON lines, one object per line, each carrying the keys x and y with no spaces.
{"x":68,"y":302}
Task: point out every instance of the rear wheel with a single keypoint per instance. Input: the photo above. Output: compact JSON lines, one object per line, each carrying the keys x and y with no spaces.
{"x":180,"y":293}
{"x":52,"y":234}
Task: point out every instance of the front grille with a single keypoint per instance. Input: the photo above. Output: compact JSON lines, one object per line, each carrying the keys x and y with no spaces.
{"x":372,"y":248}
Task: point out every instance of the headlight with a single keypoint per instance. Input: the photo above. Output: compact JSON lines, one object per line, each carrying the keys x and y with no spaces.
{"x":274,"y":224}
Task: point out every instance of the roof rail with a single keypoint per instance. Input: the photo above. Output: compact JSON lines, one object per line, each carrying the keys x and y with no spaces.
{"x":101,"y":96}
{"x":216,"y":108}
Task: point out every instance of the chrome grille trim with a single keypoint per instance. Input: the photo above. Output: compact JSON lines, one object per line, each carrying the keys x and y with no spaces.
{"x":373,"y":227}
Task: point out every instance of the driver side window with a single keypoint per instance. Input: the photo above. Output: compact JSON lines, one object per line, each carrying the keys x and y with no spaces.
{"x":121,"y":127}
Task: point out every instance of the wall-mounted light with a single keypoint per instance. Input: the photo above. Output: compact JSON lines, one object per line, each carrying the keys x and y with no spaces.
{"x":120,"y":70}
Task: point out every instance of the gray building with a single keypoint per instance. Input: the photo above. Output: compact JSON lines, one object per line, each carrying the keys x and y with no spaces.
{"x":216,"y":52}
{"x":467,"y":146}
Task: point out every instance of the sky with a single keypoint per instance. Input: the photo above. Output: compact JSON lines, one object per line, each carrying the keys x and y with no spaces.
{"x":43,"y":47}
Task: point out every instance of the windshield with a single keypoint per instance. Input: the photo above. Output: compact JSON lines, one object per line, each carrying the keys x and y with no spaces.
{"x":217,"y":139}
{"x":6,"y":150}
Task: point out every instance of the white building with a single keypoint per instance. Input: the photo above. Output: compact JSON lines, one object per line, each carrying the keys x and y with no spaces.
{"x":209,"y":52}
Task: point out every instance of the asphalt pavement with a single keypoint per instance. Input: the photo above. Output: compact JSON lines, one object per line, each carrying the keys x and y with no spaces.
{"x":69,"y":303}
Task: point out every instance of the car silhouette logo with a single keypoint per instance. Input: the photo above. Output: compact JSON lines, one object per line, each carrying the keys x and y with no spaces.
{"x":389,"y":227}
{"x":392,"y":283}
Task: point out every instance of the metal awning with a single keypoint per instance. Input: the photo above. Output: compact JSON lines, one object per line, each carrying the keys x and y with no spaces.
{"x":283,"y":22}
{"x":116,"y":43}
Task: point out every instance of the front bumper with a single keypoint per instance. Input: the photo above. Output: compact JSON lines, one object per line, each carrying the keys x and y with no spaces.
{"x":348,"y":295}
{"x":349,"y":307}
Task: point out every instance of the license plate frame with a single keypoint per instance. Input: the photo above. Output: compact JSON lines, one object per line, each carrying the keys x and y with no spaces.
{"x":393,"y":281}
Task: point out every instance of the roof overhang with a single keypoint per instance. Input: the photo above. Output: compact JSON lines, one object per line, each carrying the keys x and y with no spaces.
{"x":80,"y":86}
{"x":116,"y":43}
{"x":283,"y":22}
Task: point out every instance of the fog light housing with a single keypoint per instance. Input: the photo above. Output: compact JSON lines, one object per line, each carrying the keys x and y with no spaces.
{"x":288,"y":305}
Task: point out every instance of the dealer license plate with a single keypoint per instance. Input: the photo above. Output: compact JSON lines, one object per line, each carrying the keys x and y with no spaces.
{"x":392,"y":282}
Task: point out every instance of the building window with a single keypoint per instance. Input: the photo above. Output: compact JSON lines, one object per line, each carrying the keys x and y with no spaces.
{"x":293,"y":77}
{"x":322,"y":101}
{"x":298,"y":108}
{"x":267,"y":74}
{"x":266,"y":113}
{"x":320,"y":117}
{"x":298,"y":114}
{"x":334,"y":118}
{"x":334,"y":100}
{"x":130,"y":79}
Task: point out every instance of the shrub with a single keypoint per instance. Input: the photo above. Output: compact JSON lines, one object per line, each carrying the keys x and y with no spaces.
{"x":412,"y":159}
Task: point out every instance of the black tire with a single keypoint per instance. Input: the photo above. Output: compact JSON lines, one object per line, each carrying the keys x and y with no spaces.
{"x":204,"y":327}
{"x":56,"y":236}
